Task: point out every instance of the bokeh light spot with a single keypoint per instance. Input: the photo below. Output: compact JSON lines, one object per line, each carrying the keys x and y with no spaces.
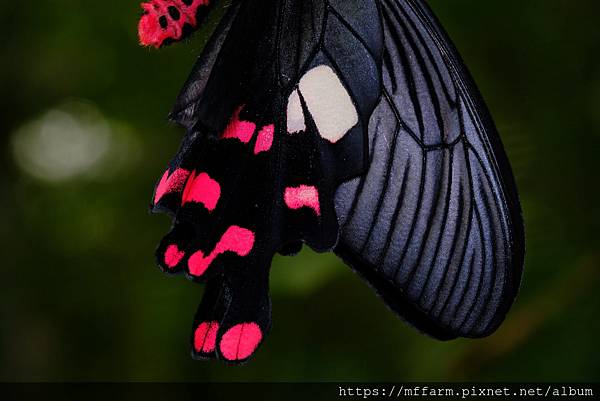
{"x":69,"y":142}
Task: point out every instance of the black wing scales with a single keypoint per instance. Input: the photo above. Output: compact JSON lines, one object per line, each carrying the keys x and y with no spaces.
{"x":435,"y":224}
{"x":184,"y":111}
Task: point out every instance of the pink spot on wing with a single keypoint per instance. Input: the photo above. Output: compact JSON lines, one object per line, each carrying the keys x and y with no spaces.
{"x":171,"y":183}
{"x":302,"y":196}
{"x":202,"y":189}
{"x":236,"y":239}
{"x":236,"y":128}
{"x":264,"y":140}
{"x":205,"y":337}
{"x":240,"y":341}
{"x":173,"y":256}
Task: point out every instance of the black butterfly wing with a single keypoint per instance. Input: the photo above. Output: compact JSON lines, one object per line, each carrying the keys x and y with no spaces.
{"x":293,"y":98}
{"x":435,"y":225}
{"x":184,"y":111}
{"x":280,"y":122}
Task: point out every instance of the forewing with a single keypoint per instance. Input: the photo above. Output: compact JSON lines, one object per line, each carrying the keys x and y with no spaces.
{"x":435,"y":224}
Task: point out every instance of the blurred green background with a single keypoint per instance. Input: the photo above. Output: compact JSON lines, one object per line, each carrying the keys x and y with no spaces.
{"x":84,"y":136}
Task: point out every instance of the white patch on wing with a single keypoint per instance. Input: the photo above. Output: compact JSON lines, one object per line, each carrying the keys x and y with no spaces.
{"x":329,"y":103}
{"x":295,"y":115}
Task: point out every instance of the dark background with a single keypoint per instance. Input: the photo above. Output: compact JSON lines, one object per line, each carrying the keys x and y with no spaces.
{"x":84,"y":136}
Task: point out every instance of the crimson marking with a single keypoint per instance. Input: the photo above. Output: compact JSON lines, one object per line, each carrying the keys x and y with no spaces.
{"x":239,"y":129}
{"x":264,"y":141}
{"x":173,"y":256}
{"x":205,"y":337}
{"x":236,"y":239}
{"x":240,"y":341}
{"x":171,"y":183}
{"x":202,"y":189}
{"x":302,"y":196}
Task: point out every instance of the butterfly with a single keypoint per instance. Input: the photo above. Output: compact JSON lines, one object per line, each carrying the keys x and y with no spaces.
{"x":350,"y":126}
